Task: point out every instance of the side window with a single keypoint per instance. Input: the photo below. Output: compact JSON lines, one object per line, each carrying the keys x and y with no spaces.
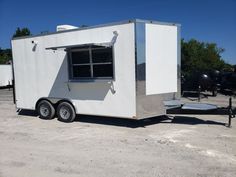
{"x":91,"y":63}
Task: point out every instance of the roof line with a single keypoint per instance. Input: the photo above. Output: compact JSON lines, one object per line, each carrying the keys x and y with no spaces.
{"x":102,"y":25}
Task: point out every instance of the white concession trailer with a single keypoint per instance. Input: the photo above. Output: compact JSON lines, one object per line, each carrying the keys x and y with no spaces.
{"x":5,"y":75}
{"x":124,"y":69}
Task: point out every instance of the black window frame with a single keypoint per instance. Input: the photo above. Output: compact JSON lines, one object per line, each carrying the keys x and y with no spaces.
{"x":91,"y":64}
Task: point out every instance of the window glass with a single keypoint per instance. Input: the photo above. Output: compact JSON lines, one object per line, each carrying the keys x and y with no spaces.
{"x":103,"y":70}
{"x":80,"y":57}
{"x":81,"y":71}
{"x":102,"y":55}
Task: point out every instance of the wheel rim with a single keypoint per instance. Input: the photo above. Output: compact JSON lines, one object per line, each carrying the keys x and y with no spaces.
{"x":64,"y":113}
{"x":44,"y":111}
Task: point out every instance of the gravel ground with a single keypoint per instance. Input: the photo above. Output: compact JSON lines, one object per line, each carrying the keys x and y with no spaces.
{"x":184,"y":146}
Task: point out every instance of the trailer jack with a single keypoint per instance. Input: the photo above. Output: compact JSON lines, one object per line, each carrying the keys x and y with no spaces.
{"x":231,"y":112}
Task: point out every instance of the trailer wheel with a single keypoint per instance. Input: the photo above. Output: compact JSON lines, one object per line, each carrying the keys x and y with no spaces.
{"x":45,"y":110}
{"x":66,"y":112}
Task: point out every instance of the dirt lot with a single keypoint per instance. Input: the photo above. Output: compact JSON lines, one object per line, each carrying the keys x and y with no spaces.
{"x":186,"y":146}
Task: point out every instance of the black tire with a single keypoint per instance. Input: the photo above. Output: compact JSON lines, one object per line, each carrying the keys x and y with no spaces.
{"x":66,"y":112}
{"x":45,"y":110}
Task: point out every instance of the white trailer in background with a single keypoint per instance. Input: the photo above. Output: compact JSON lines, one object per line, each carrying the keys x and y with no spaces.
{"x":125,"y":69}
{"x":5,"y":75}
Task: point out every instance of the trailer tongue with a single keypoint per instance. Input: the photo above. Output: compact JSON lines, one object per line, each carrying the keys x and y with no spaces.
{"x":199,"y":106}
{"x":202,"y":108}
{"x":173,"y":104}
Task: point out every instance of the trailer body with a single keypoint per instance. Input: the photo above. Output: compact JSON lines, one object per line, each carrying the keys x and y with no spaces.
{"x":5,"y":75}
{"x":145,"y":68}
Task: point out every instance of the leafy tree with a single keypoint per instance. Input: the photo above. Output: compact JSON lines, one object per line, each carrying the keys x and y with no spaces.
{"x":199,"y":56}
{"x":5,"y":56}
{"x":22,"y":32}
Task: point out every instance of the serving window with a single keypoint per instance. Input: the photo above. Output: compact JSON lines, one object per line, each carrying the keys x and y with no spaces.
{"x":91,"y":62}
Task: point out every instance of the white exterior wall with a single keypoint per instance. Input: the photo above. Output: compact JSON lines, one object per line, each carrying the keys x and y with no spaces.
{"x":44,"y":73}
{"x":5,"y":75}
{"x":161,"y":59}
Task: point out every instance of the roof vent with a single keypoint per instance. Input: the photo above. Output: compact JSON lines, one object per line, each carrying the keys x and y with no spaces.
{"x":65,"y":27}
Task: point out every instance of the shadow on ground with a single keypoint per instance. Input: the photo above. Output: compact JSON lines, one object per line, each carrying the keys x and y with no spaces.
{"x":111,"y":121}
{"x":25,"y":112}
{"x":9,"y":87}
{"x":147,"y":122}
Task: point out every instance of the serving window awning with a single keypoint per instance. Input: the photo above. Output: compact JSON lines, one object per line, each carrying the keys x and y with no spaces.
{"x":95,"y":45}
{"x":74,"y":46}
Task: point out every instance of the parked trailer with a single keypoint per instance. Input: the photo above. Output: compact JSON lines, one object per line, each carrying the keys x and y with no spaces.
{"x":6,"y":75}
{"x":125,"y":69}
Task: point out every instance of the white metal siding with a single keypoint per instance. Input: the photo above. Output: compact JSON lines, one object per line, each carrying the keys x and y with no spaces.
{"x":5,"y":75}
{"x":44,"y":73}
{"x":161,"y":59}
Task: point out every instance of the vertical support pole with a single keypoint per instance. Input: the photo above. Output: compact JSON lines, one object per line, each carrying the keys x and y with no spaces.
{"x":199,"y":93}
{"x":230,"y":112}
{"x":9,"y":86}
{"x":14,"y":94}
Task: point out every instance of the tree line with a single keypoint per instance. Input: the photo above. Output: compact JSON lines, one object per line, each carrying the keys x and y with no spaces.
{"x":6,"y":54}
{"x":195,"y":55}
{"x":200,"y":57}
